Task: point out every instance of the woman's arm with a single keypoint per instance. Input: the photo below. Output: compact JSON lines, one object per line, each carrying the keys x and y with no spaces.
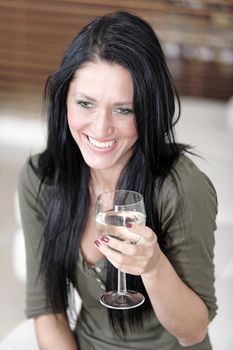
{"x":179,"y":309}
{"x":53,"y":332}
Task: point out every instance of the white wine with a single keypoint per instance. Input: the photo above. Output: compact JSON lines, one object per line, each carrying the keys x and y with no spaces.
{"x":113,"y":224}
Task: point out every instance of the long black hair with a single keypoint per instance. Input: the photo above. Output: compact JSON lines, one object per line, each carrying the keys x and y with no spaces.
{"x":128,"y":40}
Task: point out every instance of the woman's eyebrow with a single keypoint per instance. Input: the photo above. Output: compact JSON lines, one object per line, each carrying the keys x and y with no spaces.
{"x":82,"y":95}
{"x":120,"y":103}
{"x":123,"y":103}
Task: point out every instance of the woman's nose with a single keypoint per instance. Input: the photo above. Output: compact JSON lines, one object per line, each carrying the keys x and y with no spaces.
{"x":103,"y":124}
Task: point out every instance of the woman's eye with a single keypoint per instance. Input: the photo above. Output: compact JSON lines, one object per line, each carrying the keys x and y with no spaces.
{"x":124,"y":111}
{"x":85,"y":104}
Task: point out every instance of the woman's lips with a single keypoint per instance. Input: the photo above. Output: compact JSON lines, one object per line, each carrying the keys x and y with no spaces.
{"x":101,"y":144}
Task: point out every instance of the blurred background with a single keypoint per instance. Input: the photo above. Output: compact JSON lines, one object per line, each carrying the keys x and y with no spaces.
{"x":197,"y":38}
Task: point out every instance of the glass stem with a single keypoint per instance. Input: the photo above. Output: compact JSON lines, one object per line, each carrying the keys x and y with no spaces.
{"x":121,"y":289}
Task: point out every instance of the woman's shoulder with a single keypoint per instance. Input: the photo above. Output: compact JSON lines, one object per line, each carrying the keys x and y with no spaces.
{"x":191,"y":176}
{"x":187,"y":199}
{"x":33,"y":193}
{"x":185,"y":168}
{"x":29,"y":171}
{"x":187,"y":172}
{"x":186,"y":179}
{"x":30,"y":182}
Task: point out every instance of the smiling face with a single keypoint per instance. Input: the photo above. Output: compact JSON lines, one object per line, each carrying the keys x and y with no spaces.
{"x":100,"y":114}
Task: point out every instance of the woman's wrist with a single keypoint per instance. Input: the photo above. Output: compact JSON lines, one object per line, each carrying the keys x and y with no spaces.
{"x":156,"y":266}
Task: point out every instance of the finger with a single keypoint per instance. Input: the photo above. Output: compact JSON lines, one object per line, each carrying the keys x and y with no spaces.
{"x":124,"y":247}
{"x":114,"y":256}
{"x":120,"y":232}
{"x":104,"y":247}
{"x":143,"y":231}
{"x":126,"y":263}
{"x":127,"y":248}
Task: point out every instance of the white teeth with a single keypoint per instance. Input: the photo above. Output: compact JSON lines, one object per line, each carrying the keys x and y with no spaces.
{"x":101,"y":144}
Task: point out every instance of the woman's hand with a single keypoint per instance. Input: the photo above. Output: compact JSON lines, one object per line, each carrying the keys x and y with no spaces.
{"x":137,"y":254}
{"x":177,"y":307}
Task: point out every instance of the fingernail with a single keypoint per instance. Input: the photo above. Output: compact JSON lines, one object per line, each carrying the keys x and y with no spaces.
{"x":105,"y":239}
{"x":97,"y":243}
{"x":128,"y":224}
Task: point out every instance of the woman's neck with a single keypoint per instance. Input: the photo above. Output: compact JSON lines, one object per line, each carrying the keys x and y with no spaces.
{"x":102,"y":181}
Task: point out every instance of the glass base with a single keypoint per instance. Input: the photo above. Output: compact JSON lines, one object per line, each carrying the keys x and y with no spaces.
{"x":124,"y":301}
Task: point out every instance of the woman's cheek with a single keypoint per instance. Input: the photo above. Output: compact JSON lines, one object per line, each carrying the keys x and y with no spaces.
{"x":130,"y":129}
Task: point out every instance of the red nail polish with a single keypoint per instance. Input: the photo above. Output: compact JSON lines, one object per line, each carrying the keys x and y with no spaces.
{"x":97,"y":243}
{"x":128,"y":224}
{"x":105,"y":239}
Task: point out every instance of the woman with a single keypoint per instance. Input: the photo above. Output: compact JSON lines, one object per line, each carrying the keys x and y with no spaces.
{"x":111,"y":112}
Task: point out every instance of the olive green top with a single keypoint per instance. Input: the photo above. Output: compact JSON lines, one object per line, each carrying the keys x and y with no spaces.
{"x":188,"y":243}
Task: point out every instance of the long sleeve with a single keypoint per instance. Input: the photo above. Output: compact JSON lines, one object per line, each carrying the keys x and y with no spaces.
{"x":33,"y":212}
{"x":188,"y":226}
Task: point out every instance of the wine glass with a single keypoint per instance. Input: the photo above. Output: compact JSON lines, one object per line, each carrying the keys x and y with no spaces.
{"x":114,"y":210}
